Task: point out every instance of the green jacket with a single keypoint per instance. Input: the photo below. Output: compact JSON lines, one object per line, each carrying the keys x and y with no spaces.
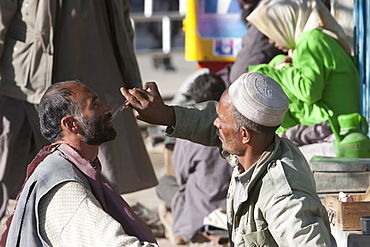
{"x":323,"y":80}
{"x":281,"y":206}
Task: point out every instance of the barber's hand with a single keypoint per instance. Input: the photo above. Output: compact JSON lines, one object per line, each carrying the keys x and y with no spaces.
{"x":148,"y":105}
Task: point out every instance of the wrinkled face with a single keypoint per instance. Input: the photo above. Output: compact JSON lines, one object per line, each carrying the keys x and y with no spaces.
{"x":231,"y":139}
{"x":95,"y":118}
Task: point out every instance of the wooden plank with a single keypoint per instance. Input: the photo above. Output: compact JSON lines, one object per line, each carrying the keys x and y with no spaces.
{"x":346,"y":215}
{"x":339,"y":164}
{"x":328,"y":182}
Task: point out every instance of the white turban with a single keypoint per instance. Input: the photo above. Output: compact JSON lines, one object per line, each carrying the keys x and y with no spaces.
{"x":259,"y":98}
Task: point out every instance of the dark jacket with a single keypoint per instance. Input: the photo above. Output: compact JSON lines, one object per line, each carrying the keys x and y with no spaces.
{"x":255,"y":50}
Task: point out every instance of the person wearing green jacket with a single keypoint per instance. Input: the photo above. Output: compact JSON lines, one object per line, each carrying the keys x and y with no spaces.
{"x":319,"y":75}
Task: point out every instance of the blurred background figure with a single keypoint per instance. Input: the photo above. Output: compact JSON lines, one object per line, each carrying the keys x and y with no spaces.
{"x":319,"y":75}
{"x":256,"y":48}
{"x":200,"y":183}
{"x":42,"y":42}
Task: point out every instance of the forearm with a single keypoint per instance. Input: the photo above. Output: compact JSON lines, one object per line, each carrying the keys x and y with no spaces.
{"x":195,"y":123}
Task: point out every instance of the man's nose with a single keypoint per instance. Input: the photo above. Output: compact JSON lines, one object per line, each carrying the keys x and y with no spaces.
{"x":216,"y":123}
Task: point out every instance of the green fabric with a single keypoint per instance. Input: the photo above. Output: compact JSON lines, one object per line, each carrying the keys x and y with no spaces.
{"x":322,"y":81}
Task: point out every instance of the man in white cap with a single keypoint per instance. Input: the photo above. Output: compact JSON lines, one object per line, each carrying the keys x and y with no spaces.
{"x":272,"y":199}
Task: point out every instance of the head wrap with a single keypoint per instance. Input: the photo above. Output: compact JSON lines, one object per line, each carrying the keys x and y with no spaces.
{"x":283,"y":21}
{"x":259,"y":98}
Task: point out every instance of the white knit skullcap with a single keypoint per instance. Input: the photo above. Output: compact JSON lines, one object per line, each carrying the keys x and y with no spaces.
{"x":259,"y":98}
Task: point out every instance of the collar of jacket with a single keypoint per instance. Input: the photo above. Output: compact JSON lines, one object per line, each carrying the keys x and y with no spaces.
{"x":267,"y":158}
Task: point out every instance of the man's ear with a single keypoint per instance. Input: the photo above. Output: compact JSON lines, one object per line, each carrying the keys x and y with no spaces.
{"x":69,"y":123}
{"x":245,"y":135}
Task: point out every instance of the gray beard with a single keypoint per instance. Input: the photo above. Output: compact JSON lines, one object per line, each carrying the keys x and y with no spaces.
{"x":95,"y":133}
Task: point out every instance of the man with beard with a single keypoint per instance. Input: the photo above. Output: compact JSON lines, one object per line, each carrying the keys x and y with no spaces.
{"x":43,"y":42}
{"x":272,"y":199}
{"x":65,"y":200}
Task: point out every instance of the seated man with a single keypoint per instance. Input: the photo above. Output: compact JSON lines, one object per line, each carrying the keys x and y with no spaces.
{"x":65,"y":200}
{"x":202,"y":175}
{"x":272,"y":199}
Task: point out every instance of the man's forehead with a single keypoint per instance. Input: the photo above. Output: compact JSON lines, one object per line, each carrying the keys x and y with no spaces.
{"x":82,"y":93}
{"x":225,"y":97}
{"x":225,"y":104}
{"x":83,"y":88}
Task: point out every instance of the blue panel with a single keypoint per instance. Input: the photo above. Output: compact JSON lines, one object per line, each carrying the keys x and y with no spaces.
{"x":366,"y":94}
{"x":210,"y":6}
{"x":219,"y":23}
{"x":362,"y":51}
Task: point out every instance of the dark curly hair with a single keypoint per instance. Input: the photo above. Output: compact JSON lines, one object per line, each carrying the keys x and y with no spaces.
{"x":55,"y":104}
{"x":206,"y":87}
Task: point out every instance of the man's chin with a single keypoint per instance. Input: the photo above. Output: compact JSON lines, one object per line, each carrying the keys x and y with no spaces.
{"x":109,"y":136}
{"x":112,"y":135}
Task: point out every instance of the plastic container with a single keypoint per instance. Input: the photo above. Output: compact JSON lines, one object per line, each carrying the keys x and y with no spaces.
{"x":365,"y":225}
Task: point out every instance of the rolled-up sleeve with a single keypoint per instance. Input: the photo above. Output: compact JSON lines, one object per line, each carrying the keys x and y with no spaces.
{"x":195,"y":123}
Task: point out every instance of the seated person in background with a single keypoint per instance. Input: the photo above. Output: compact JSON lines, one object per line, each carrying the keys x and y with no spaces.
{"x":319,"y":76}
{"x":65,"y":200}
{"x":272,"y":199}
{"x":202,"y":175}
{"x":256,"y":48}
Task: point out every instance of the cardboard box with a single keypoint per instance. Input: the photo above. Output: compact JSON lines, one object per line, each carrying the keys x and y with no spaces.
{"x":346,"y":215}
